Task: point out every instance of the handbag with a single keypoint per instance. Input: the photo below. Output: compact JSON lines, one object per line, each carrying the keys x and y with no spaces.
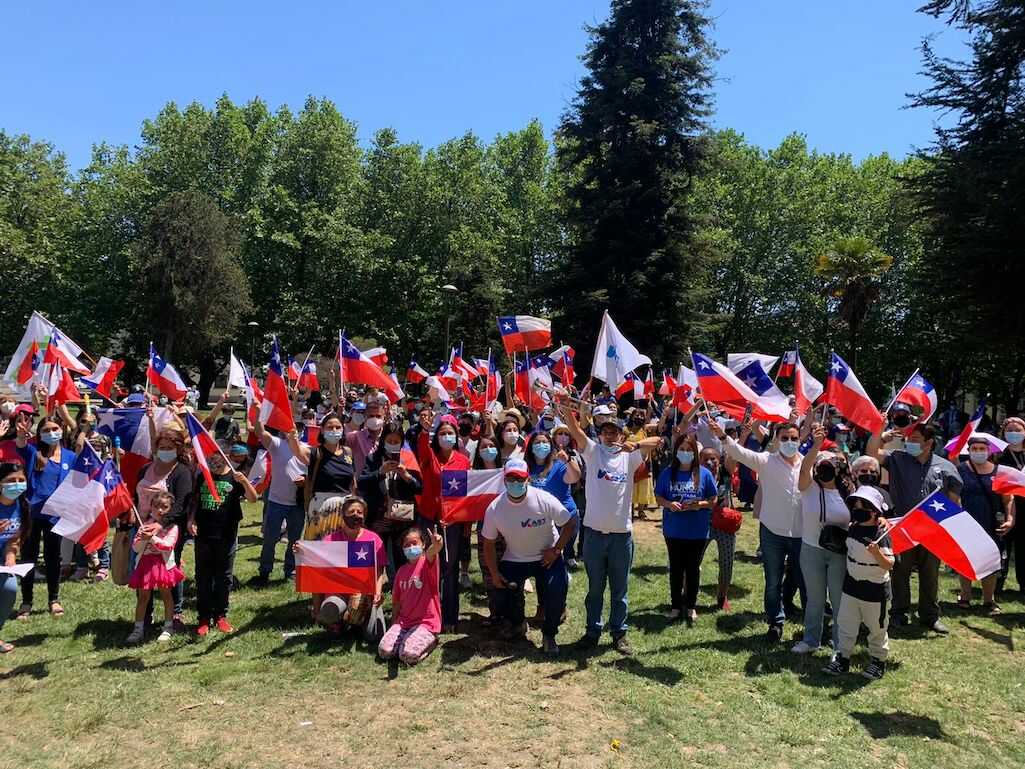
{"x":727,"y":520}
{"x":120,"y":554}
{"x":397,"y":509}
{"x":831,"y":538}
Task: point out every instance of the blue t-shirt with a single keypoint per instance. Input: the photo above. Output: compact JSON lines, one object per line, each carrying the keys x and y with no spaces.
{"x":42,"y":483}
{"x":686,"y":524}
{"x":555,"y":484}
{"x":9,"y":513}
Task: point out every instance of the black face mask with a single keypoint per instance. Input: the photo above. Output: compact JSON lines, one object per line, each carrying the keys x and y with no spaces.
{"x":868,"y":479}
{"x":825,"y":473}
{"x":901,"y":419}
{"x":353,"y":521}
{"x":860,"y":516}
{"x":465,"y":430}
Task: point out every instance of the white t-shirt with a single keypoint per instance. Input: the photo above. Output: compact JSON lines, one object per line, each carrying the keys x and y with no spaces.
{"x":527,"y":526}
{"x":837,"y":513}
{"x":609,"y":487}
{"x":285,"y":468}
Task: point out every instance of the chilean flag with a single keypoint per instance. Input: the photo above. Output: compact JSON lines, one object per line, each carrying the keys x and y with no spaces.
{"x":918,"y":392}
{"x":523,"y":380}
{"x":686,"y":388}
{"x":437,"y":390}
{"x":357,"y":367}
{"x":415,"y":374}
{"x":1009,"y":480}
{"x":85,"y":501}
{"x":562,"y":364}
{"x":162,"y":374}
{"x":61,"y":387}
{"x":649,"y":384}
{"x":844,"y":391}
{"x":378,"y":355}
{"x":349,"y":568}
{"x":632,"y":385}
{"x":721,"y":386}
{"x":293,"y":369}
{"x":807,"y":388}
{"x":789,"y":364}
{"x":949,"y":533}
{"x":57,"y":351}
{"x":466,"y":494}
{"x":492,"y":384}
{"x":102,"y":379}
{"x":482,"y":365}
{"x":276,"y":409}
{"x":203,"y":447}
{"x":463,"y":369}
{"x":668,"y":386}
{"x":129,"y":430}
{"x":30,"y":365}
{"x":308,"y":378}
{"x":954,"y":449}
{"x":524,"y":332}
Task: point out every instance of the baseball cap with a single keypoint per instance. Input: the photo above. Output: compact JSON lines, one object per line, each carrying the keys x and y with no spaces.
{"x":23,"y":408}
{"x":602,"y":411}
{"x":135,"y":399}
{"x":359,"y":406}
{"x":516,"y":468}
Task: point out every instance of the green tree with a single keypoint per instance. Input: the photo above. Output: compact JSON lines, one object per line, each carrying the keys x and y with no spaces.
{"x":631,"y":145}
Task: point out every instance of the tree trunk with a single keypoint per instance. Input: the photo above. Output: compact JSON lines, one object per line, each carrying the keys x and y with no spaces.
{"x":208,"y":368}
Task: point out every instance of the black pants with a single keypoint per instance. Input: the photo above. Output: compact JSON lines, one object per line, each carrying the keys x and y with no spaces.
{"x":451,"y":555}
{"x":685,"y":556}
{"x":1015,"y":544}
{"x":215,"y":563}
{"x":42,"y":529}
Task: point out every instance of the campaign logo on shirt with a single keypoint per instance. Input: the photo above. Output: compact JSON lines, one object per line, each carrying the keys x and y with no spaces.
{"x":533,"y":523}
{"x":605,"y":475}
{"x":207,"y":500}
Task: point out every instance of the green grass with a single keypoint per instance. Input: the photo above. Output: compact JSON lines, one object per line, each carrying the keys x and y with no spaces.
{"x":72,"y":695}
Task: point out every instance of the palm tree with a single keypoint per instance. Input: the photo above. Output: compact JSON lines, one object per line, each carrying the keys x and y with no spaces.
{"x":852,"y":268}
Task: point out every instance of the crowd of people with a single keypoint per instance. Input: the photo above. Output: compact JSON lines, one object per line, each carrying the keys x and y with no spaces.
{"x":577,"y":476}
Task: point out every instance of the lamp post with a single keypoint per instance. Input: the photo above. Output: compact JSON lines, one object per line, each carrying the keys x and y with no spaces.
{"x":253,"y":330}
{"x":448,"y":319}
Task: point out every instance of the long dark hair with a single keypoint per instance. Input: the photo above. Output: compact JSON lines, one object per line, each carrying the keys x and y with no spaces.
{"x":45,"y":451}
{"x":478,"y":460}
{"x":528,"y":451}
{"x":695,"y":463}
{"x":24,"y":515}
{"x":391,"y":427}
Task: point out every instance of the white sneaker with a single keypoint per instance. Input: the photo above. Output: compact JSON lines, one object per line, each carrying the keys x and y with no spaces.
{"x":165,"y":635}
{"x":528,"y":585}
{"x":135,"y":636}
{"x":673,"y":614}
{"x":801,"y":647}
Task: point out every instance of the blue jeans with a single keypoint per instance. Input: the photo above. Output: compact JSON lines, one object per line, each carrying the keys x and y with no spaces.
{"x":823,"y":573}
{"x":450,"y":558}
{"x":607,"y":558}
{"x":82,"y":560}
{"x":552,"y":583}
{"x":775,"y":552}
{"x":273,"y":516}
{"x":8,"y":595}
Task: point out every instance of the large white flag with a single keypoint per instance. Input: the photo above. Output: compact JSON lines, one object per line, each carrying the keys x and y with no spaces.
{"x":614,"y":356}
{"x":41,"y":331}
{"x":236,"y":373}
{"x":737,"y":361}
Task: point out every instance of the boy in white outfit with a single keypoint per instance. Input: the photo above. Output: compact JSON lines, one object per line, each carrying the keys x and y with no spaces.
{"x":866,"y":588}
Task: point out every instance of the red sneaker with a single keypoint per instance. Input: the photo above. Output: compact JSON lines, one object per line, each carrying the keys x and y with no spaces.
{"x":725,"y":604}
{"x":203,"y":629}
{"x":224,"y":626}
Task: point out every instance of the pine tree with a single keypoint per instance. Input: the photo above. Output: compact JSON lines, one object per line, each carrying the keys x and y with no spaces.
{"x":629,"y":147}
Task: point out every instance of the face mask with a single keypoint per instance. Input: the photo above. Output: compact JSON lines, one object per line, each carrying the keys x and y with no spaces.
{"x":393,"y":448}
{"x":1014,"y":437}
{"x":238,"y":448}
{"x":541,"y":450}
{"x":613,"y":449}
{"x":860,"y":515}
{"x":978,"y":457}
{"x":6,"y":408}
{"x":489,"y":454}
{"x":912,"y":448}
{"x":516,"y":489}
{"x":51,"y":437}
{"x":412,"y":552}
{"x":13,"y":490}
{"x":562,"y":440}
{"x":358,"y":419}
{"x":465,"y":430}
{"x":685,"y":457}
{"x":167,"y":455}
{"x":868,"y":479}
{"x":825,"y":473}
{"x":353,"y":521}
{"x":332,"y":436}
{"x":902,"y":420}
{"x":788,"y":448}
{"x":375,"y":423}
{"x":448,"y":440}
{"x":511,"y":439}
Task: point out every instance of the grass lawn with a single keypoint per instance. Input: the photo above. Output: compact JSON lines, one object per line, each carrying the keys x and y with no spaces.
{"x":276,"y":693}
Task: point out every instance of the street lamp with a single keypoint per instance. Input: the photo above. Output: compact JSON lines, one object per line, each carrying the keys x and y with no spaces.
{"x":253,"y":326}
{"x":448,"y":319}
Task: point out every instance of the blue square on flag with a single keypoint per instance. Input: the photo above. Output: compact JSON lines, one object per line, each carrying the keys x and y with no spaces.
{"x":838,"y":368}
{"x":508,"y":325}
{"x":939,"y":507}
{"x":453,"y":483}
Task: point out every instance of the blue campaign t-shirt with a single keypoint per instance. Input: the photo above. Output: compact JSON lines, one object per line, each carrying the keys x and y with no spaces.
{"x":9,"y":513}
{"x":686,"y":524}
{"x":555,"y":484}
{"x":42,"y":483}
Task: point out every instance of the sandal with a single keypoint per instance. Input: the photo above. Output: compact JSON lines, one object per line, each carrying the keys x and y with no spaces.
{"x":964,"y":603}
{"x":100,"y":575}
{"x":56,"y":610}
{"x":992,"y":609}
{"x":6,"y":648}
{"x":24,"y":611}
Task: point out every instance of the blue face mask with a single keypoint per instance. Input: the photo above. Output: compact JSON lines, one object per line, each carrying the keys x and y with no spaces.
{"x":238,"y":448}
{"x":912,"y":448}
{"x":13,"y":490}
{"x":333,"y":436}
{"x":541,"y":451}
{"x":685,"y":457}
{"x":1014,"y":437}
{"x":412,"y":552}
{"x":447,"y":440}
{"x":516,"y":489}
{"x":489,"y":454}
{"x":50,"y":437}
{"x":167,"y":455}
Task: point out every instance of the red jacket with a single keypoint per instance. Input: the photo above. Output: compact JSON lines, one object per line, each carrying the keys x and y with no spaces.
{"x":429,"y":502}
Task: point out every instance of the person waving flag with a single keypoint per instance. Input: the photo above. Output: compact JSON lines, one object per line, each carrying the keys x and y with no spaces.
{"x":524,"y":332}
{"x":164,"y":377}
{"x":276,"y":409}
{"x":844,"y":391}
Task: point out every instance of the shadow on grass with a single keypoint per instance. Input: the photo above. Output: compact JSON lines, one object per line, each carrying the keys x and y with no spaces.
{"x":735,"y":622}
{"x":36,"y":670}
{"x":898,"y":724}
{"x":291,"y":616}
{"x":743,"y":557}
{"x":646,"y":570}
{"x":735,"y":591}
{"x":660,"y":674}
{"x":998,"y":638}
{"x":131,"y":664}
{"x":249,"y":539}
{"x":106,"y":633}
{"x":32,"y":639}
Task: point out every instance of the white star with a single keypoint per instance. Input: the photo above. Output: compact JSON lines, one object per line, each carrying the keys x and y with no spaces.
{"x":836,"y":366}
{"x":453,"y":484}
{"x":86,"y":462}
{"x":703,"y":364}
{"x":750,"y":381}
{"x":361,"y":554}
{"x":507,"y":326}
{"x":109,"y":477}
{"x":937,"y":505}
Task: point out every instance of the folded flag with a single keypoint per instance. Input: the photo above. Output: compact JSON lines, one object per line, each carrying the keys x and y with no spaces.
{"x":348,"y":568}
{"x":85,"y":501}
{"x":1009,"y":480}
{"x":789,"y":364}
{"x":466,"y":494}
{"x":950,"y":533}
{"x":524,"y":332}
{"x":164,"y":377}
{"x":844,"y":391}
{"x":29,"y":368}
{"x":203,"y":447}
{"x":721,"y":386}
{"x":358,"y":368}
{"x":415,"y":373}
{"x":953,"y":448}
{"x":276,"y":409}
{"x":614,"y":356}
{"x":918,"y":392}
{"x":103,"y":377}
{"x":807,"y":388}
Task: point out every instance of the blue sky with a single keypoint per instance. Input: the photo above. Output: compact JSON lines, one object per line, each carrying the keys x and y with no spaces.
{"x":78,"y":73}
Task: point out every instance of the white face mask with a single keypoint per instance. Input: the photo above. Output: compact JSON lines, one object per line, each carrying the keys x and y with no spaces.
{"x":375,"y":423}
{"x":979,"y":457}
{"x":788,"y":448}
{"x":511,"y":438}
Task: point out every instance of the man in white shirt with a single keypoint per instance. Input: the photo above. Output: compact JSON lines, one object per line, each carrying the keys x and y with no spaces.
{"x":779,"y":517}
{"x":527,"y":518}
{"x":608,"y":555}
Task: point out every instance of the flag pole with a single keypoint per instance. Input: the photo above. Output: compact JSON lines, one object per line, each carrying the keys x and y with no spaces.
{"x":897,"y":394}
{"x":148,"y":364}
{"x":302,"y":369}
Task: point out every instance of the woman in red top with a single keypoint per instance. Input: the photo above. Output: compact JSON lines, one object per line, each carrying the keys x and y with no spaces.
{"x":435,"y":455}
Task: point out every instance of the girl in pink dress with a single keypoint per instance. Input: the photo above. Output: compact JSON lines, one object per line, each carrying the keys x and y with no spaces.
{"x":155,"y":568}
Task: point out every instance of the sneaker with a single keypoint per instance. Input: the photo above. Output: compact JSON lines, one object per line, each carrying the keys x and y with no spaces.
{"x":673,"y":614}
{"x":587,"y":641}
{"x":203,"y":629}
{"x":224,"y":626}
{"x":992,"y":609}
{"x":135,"y":636}
{"x":774,"y":634}
{"x":623,"y":646}
{"x":79,"y":574}
{"x":165,"y":635}
{"x":838,"y":666}
{"x":528,"y":585}
{"x":939,"y":627}
{"x":464,"y":581}
{"x":803,"y":647}
{"x":549,"y":646}
{"x":101,"y":575}
{"x":876,"y":669}
{"x":572,"y":564}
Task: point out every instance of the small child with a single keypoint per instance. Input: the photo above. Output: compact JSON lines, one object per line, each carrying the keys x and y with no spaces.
{"x":416,"y":603}
{"x":866,"y":588}
{"x":156,"y":568}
